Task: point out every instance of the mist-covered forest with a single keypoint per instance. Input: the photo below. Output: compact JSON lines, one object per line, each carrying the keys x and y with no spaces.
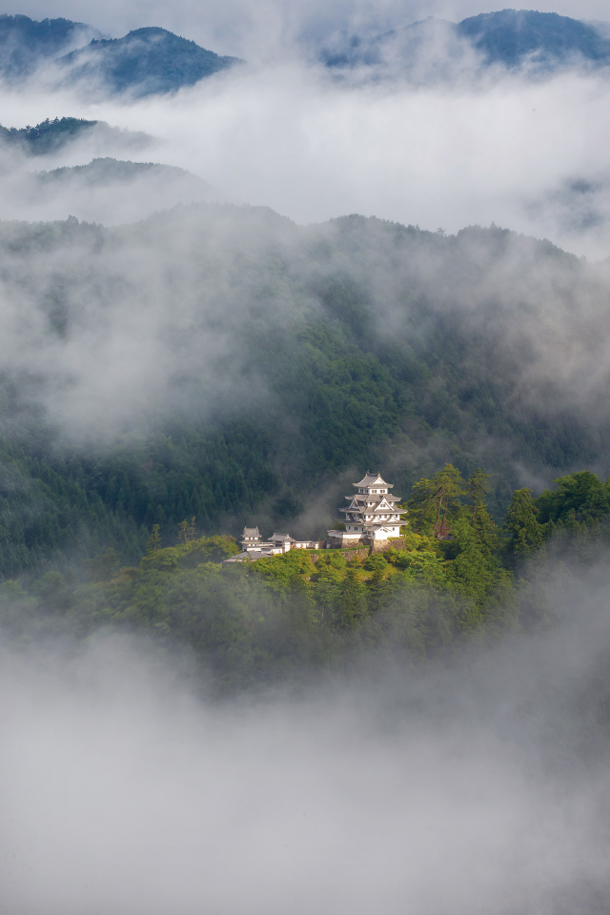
{"x":215,"y":366}
{"x":223,"y":299}
{"x":288,"y":616}
{"x":258,"y":365}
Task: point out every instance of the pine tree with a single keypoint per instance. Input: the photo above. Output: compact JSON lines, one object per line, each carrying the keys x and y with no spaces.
{"x":154,"y":541}
{"x":521,"y":524}
{"x":436,"y":499}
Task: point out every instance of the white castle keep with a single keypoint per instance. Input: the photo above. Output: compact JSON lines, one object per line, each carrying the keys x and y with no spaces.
{"x":371,"y":515}
{"x":371,"y":518}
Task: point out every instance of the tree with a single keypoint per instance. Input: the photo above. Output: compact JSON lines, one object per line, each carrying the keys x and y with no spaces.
{"x":437,"y":499}
{"x":477,"y":488}
{"x":154,"y":541}
{"x":352,"y":601}
{"x":483,"y":525}
{"x":521,"y":524}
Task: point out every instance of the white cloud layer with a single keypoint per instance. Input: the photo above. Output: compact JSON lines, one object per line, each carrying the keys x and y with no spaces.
{"x":466,"y":788}
{"x":512,"y":151}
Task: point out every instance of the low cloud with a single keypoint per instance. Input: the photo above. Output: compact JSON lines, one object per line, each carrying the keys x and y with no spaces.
{"x":478,"y":784}
{"x":294,"y":138}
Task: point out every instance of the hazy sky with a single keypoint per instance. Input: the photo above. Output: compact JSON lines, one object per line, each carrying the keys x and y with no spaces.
{"x":235,"y":22}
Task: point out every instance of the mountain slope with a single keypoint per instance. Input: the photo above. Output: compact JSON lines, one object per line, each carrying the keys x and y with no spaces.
{"x":512,"y":37}
{"x":223,"y":363}
{"x":46,"y":137}
{"x":436,"y":49}
{"x":107,"y":190}
{"x":145,"y":62}
{"x":25,"y":43}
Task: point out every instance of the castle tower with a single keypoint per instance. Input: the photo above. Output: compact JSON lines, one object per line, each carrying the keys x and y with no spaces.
{"x":371,"y":515}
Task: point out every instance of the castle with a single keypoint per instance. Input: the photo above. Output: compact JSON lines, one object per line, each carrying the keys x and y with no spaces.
{"x":371,"y":518}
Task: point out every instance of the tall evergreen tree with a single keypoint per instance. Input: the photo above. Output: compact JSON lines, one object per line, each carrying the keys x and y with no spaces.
{"x":522,"y":526}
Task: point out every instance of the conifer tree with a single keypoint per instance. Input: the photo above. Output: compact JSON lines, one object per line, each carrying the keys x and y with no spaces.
{"x":154,"y":541}
{"x":434,"y":500}
{"x":521,"y":524}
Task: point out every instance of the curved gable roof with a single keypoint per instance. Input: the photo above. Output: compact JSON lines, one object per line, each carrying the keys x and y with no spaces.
{"x":373,"y":479}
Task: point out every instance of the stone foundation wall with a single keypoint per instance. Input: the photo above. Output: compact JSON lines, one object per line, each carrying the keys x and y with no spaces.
{"x":397,"y":543}
{"x":378,"y":546}
{"x":362,"y":553}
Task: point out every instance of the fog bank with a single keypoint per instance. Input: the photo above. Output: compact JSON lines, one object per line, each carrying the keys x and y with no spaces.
{"x":469,"y":787}
{"x":525,"y":154}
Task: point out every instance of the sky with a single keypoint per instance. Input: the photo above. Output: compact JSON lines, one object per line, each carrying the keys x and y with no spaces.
{"x":236,"y":26}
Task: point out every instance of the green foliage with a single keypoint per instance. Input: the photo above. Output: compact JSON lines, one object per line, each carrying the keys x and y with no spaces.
{"x":187,"y":555}
{"x":351,"y":608}
{"x":283,"y":569}
{"x":437,"y":501}
{"x":579,"y":498}
{"x":339,"y":391}
{"x":279,"y":616}
{"x":46,"y":137}
{"x":522,"y":526}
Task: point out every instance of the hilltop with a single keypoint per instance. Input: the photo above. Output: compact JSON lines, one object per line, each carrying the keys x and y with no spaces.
{"x":510,"y":40}
{"x":144,"y":62}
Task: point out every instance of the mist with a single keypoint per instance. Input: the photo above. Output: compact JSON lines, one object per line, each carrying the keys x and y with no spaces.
{"x":193,"y":265}
{"x":526,"y":154}
{"x":120,"y":328}
{"x":473,"y":783}
{"x":246,"y":30}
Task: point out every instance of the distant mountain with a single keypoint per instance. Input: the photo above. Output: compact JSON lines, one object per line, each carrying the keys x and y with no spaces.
{"x":46,"y":137}
{"x":106,"y":190}
{"x":512,"y":39}
{"x":253,"y":363}
{"x":52,"y":135}
{"x":25,"y":43}
{"x":145,"y":62}
{"x":108,"y":171}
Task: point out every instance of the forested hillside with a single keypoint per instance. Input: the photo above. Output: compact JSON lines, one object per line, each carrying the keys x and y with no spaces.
{"x":275,"y":617}
{"x":433,"y":49}
{"x":224,"y":364}
{"x":143,"y":62}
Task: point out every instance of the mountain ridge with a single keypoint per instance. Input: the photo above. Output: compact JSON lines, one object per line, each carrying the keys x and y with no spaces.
{"x":512,"y":39}
{"x":148,"y":60}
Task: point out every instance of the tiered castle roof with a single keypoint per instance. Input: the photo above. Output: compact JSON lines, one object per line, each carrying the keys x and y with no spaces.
{"x":373,"y":504}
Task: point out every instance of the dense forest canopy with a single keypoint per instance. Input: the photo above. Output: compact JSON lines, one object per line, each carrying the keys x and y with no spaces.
{"x":437,"y":588}
{"x":222,"y":363}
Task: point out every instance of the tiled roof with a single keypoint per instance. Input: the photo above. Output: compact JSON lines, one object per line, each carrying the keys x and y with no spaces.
{"x":372,"y":479}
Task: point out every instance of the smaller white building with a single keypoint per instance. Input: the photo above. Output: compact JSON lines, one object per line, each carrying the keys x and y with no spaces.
{"x":254,"y":548}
